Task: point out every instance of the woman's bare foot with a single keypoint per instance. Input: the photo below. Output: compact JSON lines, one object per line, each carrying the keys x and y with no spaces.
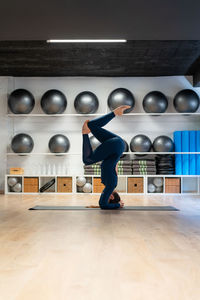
{"x":85,"y":128}
{"x":120,"y":110}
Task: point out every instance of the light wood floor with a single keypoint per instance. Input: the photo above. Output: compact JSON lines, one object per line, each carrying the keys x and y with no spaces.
{"x":92,"y":255}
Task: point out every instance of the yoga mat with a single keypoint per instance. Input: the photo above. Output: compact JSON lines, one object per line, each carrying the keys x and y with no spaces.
{"x":178,"y":148}
{"x":198,"y":150}
{"x":192,"y":157}
{"x":145,"y":208}
{"x":185,"y":148}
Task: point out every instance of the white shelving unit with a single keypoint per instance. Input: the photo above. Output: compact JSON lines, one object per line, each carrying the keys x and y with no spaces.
{"x":145,"y":179}
{"x":136,"y":117}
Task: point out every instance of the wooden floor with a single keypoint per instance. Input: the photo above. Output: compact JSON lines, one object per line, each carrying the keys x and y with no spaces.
{"x":92,"y":255}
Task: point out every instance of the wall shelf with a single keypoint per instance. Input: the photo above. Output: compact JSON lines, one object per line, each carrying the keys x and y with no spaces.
{"x":101,"y":114}
{"x":79,"y":153}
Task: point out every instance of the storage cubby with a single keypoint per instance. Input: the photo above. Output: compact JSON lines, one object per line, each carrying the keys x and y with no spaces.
{"x":135,"y":185}
{"x":172,"y":185}
{"x":14,"y":184}
{"x":31,"y":185}
{"x":44,"y":180}
{"x":121,"y":184}
{"x":80,"y":189}
{"x":155,"y":185}
{"x":64,"y":184}
{"x":190,"y":185}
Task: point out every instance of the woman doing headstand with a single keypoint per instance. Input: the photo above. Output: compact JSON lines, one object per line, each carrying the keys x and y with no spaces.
{"x":109,"y":152}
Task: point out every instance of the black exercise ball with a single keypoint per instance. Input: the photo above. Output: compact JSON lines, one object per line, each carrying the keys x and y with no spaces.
{"x":53,"y":102}
{"x":140,"y":143}
{"x":59,"y":143}
{"x":186,"y":101}
{"x":22,"y":143}
{"x":120,"y":97}
{"x":163,"y":143}
{"x":155,"y":102}
{"x":94,"y":142}
{"x":126,"y":149}
{"x":21,"y":101}
{"x":86,"y":103}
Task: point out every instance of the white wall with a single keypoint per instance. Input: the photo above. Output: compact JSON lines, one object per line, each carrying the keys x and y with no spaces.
{"x":41,"y":129}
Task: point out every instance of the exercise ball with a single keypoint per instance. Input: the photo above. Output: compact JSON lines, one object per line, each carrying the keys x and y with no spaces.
{"x":163,"y":143}
{"x":126,"y":149}
{"x":120,"y":97}
{"x":17,"y":188}
{"x":155,"y":102}
{"x":12,"y":181}
{"x":186,"y":101}
{"x":59,"y":143}
{"x":159,"y":189}
{"x":151,"y":188}
{"x":86,"y":103}
{"x":87,"y":188}
{"x":80,"y":181}
{"x":21,"y":101}
{"x":94,"y":142}
{"x":158,"y":181}
{"x":140,"y":143}
{"x":22,"y":143}
{"x":53,"y":102}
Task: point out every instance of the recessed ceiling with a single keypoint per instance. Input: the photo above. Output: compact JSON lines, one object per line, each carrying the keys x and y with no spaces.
{"x":134,"y":58}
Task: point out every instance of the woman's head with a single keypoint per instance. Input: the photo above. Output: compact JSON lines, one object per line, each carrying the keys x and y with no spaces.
{"x":114,"y":197}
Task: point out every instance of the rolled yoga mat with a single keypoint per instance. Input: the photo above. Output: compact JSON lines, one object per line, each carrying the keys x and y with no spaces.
{"x":145,"y":208}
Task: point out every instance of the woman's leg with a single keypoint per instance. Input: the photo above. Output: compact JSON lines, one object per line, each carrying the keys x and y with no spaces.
{"x":108,"y":148}
{"x":95,"y":126}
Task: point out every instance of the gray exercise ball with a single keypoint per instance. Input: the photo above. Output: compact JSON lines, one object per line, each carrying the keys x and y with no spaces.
{"x":140,"y":143}
{"x":151,"y":188}
{"x":186,"y":101}
{"x":17,"y":188}
{"x":87,"y":188}
{"x":159,"y":189}
{"x":86,"y":103}
{"x":53,"y":102}
{"x":155,"y":102}
{"x":163,"y":143}
{"x":126,"y":149}
{"x":59,"y":143}
{"x":120,"y":97}
{"x":12,"y":181}
{"x":22,"y":143}
{"x":21,"y":101}
{"x":94,"y":142}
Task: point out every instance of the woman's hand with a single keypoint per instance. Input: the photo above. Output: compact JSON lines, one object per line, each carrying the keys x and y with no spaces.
{"x":121,"y":203}
{"x":85,"y":128}
{"x":120,"y":110}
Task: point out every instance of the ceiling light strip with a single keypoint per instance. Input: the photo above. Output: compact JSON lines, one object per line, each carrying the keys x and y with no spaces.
{"x":88,"y":41}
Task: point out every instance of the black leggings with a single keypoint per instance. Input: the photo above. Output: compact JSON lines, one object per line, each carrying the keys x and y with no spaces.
{"x":110,"y":150}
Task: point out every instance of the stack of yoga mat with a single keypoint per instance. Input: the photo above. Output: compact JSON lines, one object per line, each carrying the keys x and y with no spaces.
{"x":143,"y":166}
{"x":94,"y":169}
{"x":187,"y":141}
{"x":124,"y":168}
{"x":165,"y":164}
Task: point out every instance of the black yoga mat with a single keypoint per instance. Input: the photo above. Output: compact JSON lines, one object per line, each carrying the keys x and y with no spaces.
{"x":145,"y":208}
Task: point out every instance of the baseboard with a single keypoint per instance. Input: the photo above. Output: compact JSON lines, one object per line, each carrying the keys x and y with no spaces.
{"x":2,"y":192}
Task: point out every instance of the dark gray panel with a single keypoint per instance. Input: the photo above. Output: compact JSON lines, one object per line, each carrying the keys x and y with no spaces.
{"x":131,"y":19}
{"x":135,"y":58}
